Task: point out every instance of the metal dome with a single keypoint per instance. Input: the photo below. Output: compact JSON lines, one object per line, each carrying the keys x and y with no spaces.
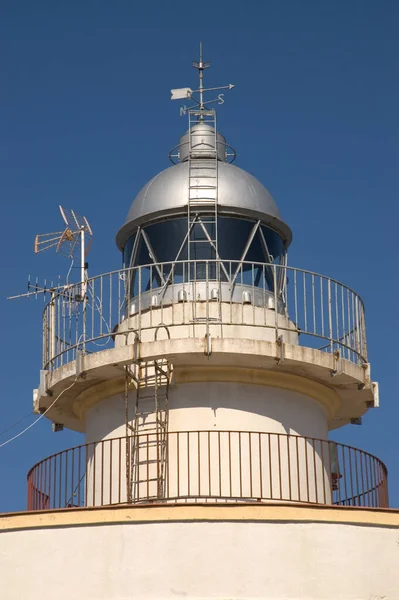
{"x":239,"y":194}
{"x":202,"y":143}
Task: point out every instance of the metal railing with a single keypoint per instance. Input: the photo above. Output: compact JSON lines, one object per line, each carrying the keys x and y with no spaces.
{"x":325,"y":314}
{"x":208,"y":466}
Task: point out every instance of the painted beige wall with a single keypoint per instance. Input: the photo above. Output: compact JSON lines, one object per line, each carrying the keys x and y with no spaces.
{"x":204,"y":466}
{"x":219,"y":405}
{"x":243,"y":560}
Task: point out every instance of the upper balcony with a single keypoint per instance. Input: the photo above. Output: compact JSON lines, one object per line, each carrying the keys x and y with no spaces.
{"x":231,"y":315}
{"x":200,"y":298}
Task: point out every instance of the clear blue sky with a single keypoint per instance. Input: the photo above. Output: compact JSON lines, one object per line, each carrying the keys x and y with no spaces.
{"x":86,"y":120}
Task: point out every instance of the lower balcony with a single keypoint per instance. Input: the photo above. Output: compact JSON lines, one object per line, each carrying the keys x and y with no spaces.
{"x":208,"y":466}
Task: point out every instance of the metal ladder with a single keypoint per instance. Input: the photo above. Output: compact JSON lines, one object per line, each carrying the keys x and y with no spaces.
{"x":202,"y":185}
{"x":203,"y":213}
{"x":147,"y":455}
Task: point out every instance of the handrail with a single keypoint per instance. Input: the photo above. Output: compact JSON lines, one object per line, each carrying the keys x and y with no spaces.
{"x":236,"y":466}
{"x":316,"y":307}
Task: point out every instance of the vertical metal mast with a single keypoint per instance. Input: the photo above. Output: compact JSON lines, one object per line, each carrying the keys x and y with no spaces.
{"x":201,"y":67}
{"x":202,"y":174}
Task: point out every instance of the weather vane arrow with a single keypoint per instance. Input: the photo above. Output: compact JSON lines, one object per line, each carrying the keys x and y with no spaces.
{"x":186,"y":92}
{"x":180,"y":93}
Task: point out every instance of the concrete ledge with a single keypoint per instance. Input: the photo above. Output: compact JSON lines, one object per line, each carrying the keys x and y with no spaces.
{"x":103,"y":373}
{"x":287,"y":513}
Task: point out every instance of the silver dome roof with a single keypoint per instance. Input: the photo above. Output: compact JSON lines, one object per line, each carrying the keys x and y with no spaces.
{"x":239,"y":194}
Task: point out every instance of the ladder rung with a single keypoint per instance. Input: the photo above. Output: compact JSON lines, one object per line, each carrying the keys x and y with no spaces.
{"x":201,"y":174}
{"x":203,"y":187}
{"x":146,"y":431}
{"x":203,"y":197}
{"x":145,"y":443}
{"x":152,"y":461}
{"x":151,"y":479}
{"x":205,"y":319}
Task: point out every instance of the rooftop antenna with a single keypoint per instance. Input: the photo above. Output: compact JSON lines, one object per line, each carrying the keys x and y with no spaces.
{"x":182,"y":93}
{"x":72,"y":241}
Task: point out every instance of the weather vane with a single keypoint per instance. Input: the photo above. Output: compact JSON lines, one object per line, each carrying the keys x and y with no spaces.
{"x":183,"y":93}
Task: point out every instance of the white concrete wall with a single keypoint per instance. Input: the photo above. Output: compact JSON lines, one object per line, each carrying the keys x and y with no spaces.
{"x":187,"y":320}
{"x":227,"y":465}
{"x":218,"y":405}
{"x":236,"y":560}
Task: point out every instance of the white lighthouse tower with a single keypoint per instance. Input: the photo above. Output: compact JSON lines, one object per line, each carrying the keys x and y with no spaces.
{"x":206,"y":375}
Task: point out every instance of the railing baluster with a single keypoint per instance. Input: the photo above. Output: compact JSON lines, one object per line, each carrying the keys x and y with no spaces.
{"x":279,"y":467}
{"x":209,"y":465}
{"x":298,"y":473}
{"x":230,"y":472}
{"x":260,"y":464}
{"x":250,"y":465}
{"x":313,"y":305}
{"x":322,"y":305}
{"x":199,"y":464}
{"x":289,"y":467}
{"x":110,"y":443}
{"x":270,"y":465}
{"x":305,"y":313}
{"x":188,"y":465}
{"x":315,"y":472}
{"x":330,"y":332}
{"x":344,"y":350}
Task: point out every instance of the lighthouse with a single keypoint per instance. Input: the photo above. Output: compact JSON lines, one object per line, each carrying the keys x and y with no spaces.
{"x":206,"y":374}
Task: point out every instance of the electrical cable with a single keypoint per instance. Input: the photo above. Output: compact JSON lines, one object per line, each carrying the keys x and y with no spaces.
{"x":40,"y":416}
{"x":15,"y":424}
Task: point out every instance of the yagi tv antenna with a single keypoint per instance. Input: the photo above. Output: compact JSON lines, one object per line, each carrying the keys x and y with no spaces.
{"x":74,"y":240}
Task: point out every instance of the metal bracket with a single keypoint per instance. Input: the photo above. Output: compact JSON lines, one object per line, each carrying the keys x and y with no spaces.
{"x":367,"y":377}
{"x":57,"y":427}
{"x":136,"y":347}
{"x":280,"y":349}
{"x":80,"y":372}
{"x":42,"y":389}
{"x":158,"y":327}
{"x":208,"y":344}
{"x":376,"y":394}
{"x":338,"y":364}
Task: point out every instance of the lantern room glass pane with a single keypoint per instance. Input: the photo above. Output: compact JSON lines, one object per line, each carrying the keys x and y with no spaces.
{"x":168,"y":244}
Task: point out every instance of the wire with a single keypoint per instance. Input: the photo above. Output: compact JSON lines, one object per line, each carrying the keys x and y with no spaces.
{"x":15,"y":424}
{"x":40,"y":416}
{"x":69,"y":272}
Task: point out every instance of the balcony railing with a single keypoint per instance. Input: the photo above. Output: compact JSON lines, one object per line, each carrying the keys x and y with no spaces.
{"x":208,"y":466}
{"x":277,"y":300}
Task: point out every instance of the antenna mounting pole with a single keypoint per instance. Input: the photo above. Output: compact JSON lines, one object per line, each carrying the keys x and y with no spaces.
{"x":200,"y":65}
